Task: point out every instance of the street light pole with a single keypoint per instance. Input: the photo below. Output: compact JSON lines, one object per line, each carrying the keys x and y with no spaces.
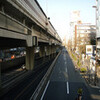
{"x":95,"y":77}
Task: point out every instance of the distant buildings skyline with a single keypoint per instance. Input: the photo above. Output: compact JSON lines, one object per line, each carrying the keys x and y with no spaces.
{"x":74,"y":20}
{"x":59,"y":13}
{"x":81,"y":33}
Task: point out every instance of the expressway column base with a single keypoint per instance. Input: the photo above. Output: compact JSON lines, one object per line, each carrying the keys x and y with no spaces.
{"x":42,"y":52}
{"x":29,"y":58}
{"x":48,"y":51}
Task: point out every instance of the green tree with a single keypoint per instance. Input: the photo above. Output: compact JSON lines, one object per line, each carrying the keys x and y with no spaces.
{"x":93,"y":41}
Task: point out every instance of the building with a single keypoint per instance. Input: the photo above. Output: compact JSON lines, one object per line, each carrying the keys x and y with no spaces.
{"x":64,"y":41}
{"x":84,"y":35}
{"x":74,"y":20}
{"x":98,"y":27}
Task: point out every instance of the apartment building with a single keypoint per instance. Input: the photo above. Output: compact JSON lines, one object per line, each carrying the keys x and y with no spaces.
{"x":98,"y":27}
{"x":84,"y":35}
{"x":74,"y":20}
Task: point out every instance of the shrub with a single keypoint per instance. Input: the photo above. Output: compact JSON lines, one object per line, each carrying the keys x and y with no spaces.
{"x":79,"y":63}
{"x":83,"y":70}
{"x":74,"y":57}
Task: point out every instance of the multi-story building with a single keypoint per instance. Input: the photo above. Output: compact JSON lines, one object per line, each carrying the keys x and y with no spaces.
{"x":98,"y":27}
{"x":84,"y":35}
{"x":74,"y":20}
{"x":64,"y":41}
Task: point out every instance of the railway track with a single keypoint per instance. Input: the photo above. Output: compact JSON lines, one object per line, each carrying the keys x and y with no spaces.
{"x":30,"y":81}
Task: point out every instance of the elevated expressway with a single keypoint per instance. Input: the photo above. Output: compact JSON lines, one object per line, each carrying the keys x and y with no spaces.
{"x":24,"y":24}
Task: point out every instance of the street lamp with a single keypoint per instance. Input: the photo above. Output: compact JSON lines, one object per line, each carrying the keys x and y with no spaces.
{"x":94,"y":6}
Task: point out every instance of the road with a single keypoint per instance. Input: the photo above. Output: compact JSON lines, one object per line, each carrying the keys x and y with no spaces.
{"x":65,"y":81}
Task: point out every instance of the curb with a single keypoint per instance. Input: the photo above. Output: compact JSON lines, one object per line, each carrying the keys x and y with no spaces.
{"x":91,"y":84}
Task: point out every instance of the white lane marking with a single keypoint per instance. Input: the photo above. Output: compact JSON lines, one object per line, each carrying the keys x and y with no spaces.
{"x":67,"y":87}
{"x":45,"y":90}
{"x":66,"y":66}
{"x":66,"y":69}
{"x":65,"y":59}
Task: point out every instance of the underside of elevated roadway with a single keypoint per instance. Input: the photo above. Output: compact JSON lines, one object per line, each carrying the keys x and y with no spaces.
{"x":24,"y":24}
{"x":6,"y":43}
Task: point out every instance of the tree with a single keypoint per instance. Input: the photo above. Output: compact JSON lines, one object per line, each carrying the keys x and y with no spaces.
{"x":93,"y":41}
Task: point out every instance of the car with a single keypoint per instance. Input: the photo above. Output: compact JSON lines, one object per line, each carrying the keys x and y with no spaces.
{"x":23,"y":66}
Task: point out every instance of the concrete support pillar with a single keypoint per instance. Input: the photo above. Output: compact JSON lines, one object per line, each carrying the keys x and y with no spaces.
{"x":30,"y":58}
{"x":48,"y":51}
{"x":42,"y":51}
{"x":57,"y":49}
{"x":52,"y":51}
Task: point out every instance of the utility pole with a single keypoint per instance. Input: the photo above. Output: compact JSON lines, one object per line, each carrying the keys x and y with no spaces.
{"x":95,"y":77}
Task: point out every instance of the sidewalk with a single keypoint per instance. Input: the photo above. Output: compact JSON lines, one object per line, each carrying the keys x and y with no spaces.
{"x":86,"y":76}
{"x":90,"y":76}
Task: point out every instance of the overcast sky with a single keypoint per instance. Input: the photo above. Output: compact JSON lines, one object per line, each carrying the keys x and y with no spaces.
{"x":59,"y":13}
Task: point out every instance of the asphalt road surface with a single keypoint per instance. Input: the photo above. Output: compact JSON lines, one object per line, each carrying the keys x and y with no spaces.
{"x":65,"y":81}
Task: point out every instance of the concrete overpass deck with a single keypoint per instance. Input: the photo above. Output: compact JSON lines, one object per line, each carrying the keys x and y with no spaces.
{"x":26,"y":23}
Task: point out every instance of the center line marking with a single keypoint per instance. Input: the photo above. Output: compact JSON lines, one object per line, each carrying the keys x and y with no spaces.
{"x":67,"y":87}
{"x":45,"y":90}
{"x":66,"y":69}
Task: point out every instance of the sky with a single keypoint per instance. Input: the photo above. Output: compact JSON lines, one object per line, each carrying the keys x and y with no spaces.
{"x":59,"y":13}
